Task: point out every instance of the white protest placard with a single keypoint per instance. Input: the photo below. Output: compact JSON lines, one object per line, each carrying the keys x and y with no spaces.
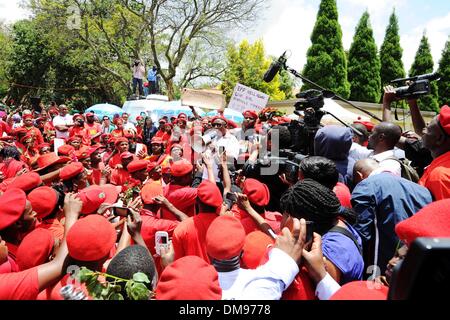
{"x":205,"y":99}
{"x":58,"y":143}
{"x":246,"y":98}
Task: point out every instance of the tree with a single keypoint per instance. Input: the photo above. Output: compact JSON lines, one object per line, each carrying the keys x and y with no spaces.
{"x":5,"y":49}
{"x":160,"y":32}
{"x":423,"y":64}
{"x":391,"y":53}
{"x":247,"y":65}
{"x":364,"y":64}
{"x":444,"y":71}
{"x":326,"y":62}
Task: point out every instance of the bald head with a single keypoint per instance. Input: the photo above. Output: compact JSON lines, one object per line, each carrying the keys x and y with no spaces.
{"x":363,"y":169}
{"x":384,"y":137}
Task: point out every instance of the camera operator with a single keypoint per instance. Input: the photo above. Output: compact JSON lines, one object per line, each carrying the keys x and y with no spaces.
{"x":254,"y":168}
{"x":138,"y":76}
{"x":410,"y":142}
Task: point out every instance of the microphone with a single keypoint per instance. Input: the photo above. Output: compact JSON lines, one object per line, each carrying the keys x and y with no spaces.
{"x":275,"y":68}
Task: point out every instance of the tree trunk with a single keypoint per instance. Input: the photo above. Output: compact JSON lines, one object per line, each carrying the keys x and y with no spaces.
{"x":170,"y":89}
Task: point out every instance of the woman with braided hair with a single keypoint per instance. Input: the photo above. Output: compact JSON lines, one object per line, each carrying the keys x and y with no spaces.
{"x":341,"y":244}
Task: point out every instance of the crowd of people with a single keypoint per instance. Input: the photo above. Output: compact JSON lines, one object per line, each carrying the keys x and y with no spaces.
{"x":240,"y":226}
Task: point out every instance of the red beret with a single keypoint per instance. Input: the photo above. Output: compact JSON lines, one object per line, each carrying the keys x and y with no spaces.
{"x":369,"y":125}
{"x":129,"y":134}
{"x":343,"y":194}
{"x":27,"y":181}
{"x":361,"y":290}
{"x":182,"y":116}
{"x":90,"y":114}
{"x":257,"y":192}
{"x":126,"y":155}
{"x":43,"y":200}
{"x":189,"y":278}
{"x":232,"y":124}
{"x":92,"y":198}
{"x":35,"y":249}
{"x":50,"y":159}
{"x":111,"y":192}
{"x":83,"y":153}
{"x":181,"y":168}
{"x":219,"y":118}
{"x":250,"y":113}
{"x":225,"y":238}
{"x":91,"y":238}
{"x":209,"y":194}
{"x":13,"y":204}
{"x":150,"y":191}
{"x":70,"y":171}
{"x":255,"y":247}
{"x":27,"y":116}
{"x":157,"y":140}
{"x":43,"y":145}
{"x":137,"y":165}
{"x":176,"y":145}
{"x":77,"y":116}
{"x":162,"y":121}
{"x":120,"y":140}
{"x":138,"y":118}
{"x":66,"y":150}
{"x":444,"y":119}
{"x":432,"y":221}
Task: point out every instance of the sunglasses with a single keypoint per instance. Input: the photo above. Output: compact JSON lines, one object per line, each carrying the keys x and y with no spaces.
{"x":218,"y":125}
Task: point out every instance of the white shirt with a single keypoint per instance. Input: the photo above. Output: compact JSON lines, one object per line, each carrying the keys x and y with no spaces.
{"x":129,"y":126}
{"x":62,"y":121}
{"x":268,"y":282}
{"x":139,"y":72}
{"x":358,"y":152}
{"x":386,"y":164}
{"x":326,"y":288}
{"x":230,"y":143}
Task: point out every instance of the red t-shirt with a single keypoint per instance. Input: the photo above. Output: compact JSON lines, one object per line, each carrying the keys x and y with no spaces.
{"x":183,"y":198}
{"x":54,"y":226}
{"x":81,"y":131}
{"x":436,"y":177}
{"x":19,"y":286}
{"x":93,"y":129}
{"x":189,"y":238}
{"x":273,"y":219}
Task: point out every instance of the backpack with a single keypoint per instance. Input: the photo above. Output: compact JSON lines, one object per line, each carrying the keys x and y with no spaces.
{"x":408,"y":172}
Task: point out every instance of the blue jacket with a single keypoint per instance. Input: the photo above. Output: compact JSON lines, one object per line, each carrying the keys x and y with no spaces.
{"x":380,"y":202}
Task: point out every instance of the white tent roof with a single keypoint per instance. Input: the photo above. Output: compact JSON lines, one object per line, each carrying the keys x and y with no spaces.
{"x":340,"y":112}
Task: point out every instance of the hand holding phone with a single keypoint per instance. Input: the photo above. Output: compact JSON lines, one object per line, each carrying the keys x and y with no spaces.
{"x":161,"y":241}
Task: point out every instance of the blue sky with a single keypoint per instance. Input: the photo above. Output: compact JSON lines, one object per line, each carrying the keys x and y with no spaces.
{"x":287,"y":24}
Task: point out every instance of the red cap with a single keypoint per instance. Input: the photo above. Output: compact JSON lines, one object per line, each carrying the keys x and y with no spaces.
{"x":255,"y":247}
{"x":90,"y":114}
{"x":92,"y":198}
{"x":162,"y":121}
{"x":48,"y":160}
{"x":120,"y":140}
{"x":129,"y":134}
{"x":219,"y":117}
{"x":181,"y":168}
{"x":444,"y":119}
{"x":150,"y":191}
{"x":209,"y":194}
{"x":361,"y":290}
{"x":139,"y":118}
{"x":91,"y":238}
{"x":28,"y":181}
{"x":189,"y":278}
{"x":66,"y":150}
{"x":257,"y":192}
{"x":13,"y":203}
{"x":176,"y":145}
{"x":43,"y":200}
{"x":343,"y":194}
{"x":137,"y":165}
{"x":35,"y":249}
{"x":432,"y":221}
{"x":225,"y":238}
{"x":77,"y":116}
{"x":250,"y":113}
{"x":43,"y":145}
{"x":27,"y":116}
{"x":70,"y":171}
{"x":126,"y":155}
{"x":83,"y":153}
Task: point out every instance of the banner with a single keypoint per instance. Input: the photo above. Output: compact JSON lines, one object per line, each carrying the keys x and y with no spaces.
{"x":205,"y":99}
{"x":245,"y":98}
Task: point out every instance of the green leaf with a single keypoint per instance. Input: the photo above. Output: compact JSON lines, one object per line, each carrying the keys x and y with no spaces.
{"x":84,"y":275}
{"x":116,"y":297}
{"x":139,"y":292}
{"x":141,"y":277}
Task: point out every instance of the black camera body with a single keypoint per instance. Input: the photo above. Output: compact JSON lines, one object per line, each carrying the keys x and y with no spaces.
{"x":420,"y":86}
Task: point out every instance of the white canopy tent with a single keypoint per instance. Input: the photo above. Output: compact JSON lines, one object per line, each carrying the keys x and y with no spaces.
{"x":340,"y":112}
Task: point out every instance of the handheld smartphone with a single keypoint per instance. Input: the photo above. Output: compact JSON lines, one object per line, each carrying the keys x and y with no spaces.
{"x":139,"y":148}
{"x":309,"y":234}
{"x":161,"y":241}
{"x":232,"y":197}
{"x":121,"y":211}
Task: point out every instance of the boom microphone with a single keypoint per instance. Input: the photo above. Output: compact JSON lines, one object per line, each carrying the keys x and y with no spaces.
{"x":275,"y":68}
